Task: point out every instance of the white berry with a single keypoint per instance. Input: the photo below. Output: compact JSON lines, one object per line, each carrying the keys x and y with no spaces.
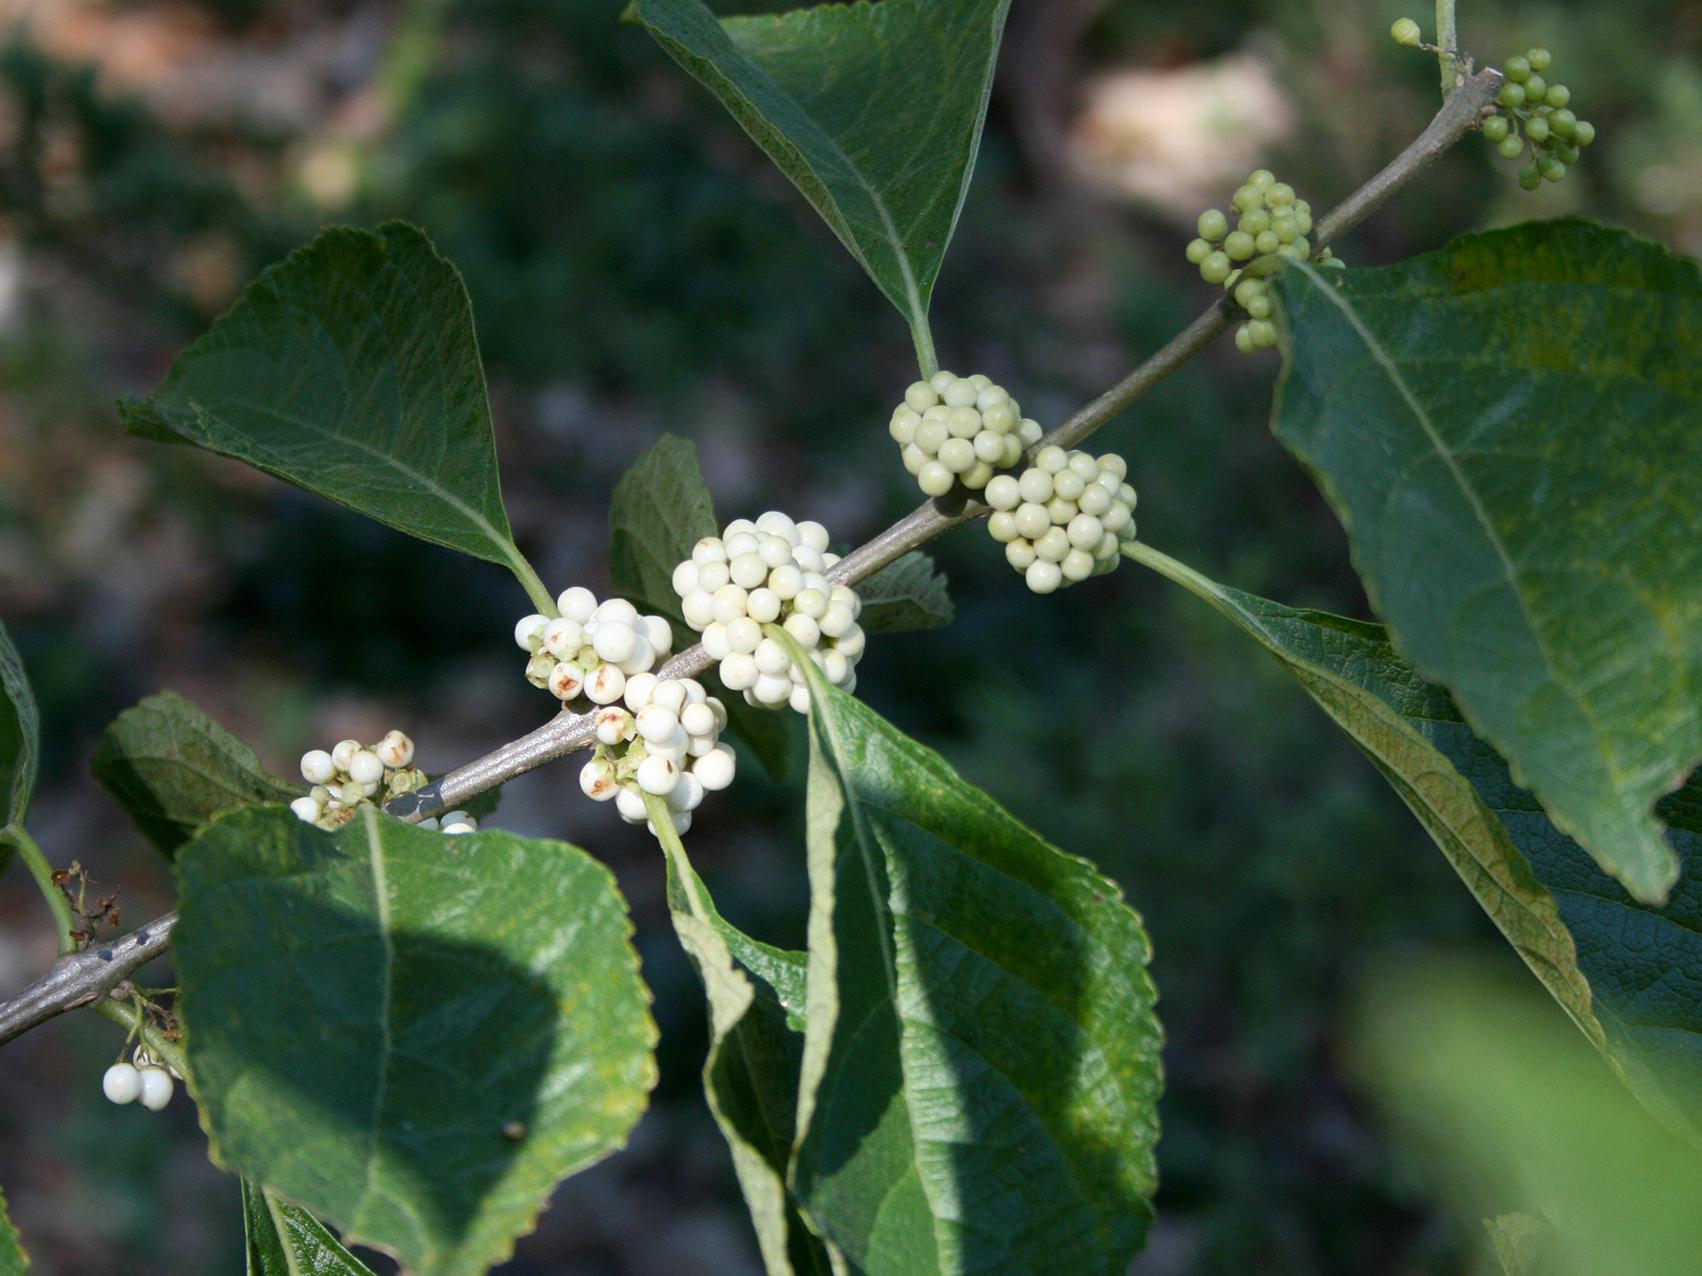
{"x":317,"y":767}
{"x":121,"y":1083}
{"x":155,"y":1088}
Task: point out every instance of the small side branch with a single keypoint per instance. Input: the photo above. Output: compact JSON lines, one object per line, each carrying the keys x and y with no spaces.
{"x":83,"y":978}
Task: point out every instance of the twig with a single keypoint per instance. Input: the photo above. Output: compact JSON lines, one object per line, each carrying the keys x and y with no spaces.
{"x":84,"y":977}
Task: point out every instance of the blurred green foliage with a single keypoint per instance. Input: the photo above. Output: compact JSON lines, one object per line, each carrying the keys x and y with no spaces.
{"x":637,"y":267}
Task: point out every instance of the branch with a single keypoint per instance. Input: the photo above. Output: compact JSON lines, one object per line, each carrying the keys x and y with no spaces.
{"x":82,"y":978}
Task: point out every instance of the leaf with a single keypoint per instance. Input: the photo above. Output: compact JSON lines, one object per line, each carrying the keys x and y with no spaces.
{"x":20,"y":743}
{"x":413,"y":1036}
{"x":13,"y":1260}
{"x":286,"y":1241}
{"x":1626,"y":973}
{"x":873,"y":111}
{"x":660,"y":509}
{"x":172,"y":768}
{"x":1508,"y":430}
{"x":906,"y":594}
{"x":981,"y":1058}
{"x":351,"y":369}
{"x":1517,"y":1239}
{"x":751,"y":1075}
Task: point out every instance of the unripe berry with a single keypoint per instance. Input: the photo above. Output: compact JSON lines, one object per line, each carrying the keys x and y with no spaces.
{"x":1212,"y":225}
{"x":121,"y":1083}
{"x":935,"y":479}
{"x":1406,"y":32}
{"x":1512,"y":95}
{"x":1539,"y":59}
{"x":307,"y":810}
{"x":1511,"y":147}
{"x":1043,"y":577}
{"x":1496,"y":127}
{"x":1517,"y":68}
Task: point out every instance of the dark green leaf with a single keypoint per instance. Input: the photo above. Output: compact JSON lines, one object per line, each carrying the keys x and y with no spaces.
{"x":981,"y":1057}
{"x":286,"y":1241}
{"x":13,"y":1260}
{"x":1508,"y":428}
{"x":413,"y":1036}
{"x":20,"y":742}
{"x":903,"y":595}
{"x":751,"y":1074}
{"x":873,"y":111}
{"x":351,"y":369}
{"x":1625,"y":972}
{"x":172,"y":768}
{"x":660,"y":509}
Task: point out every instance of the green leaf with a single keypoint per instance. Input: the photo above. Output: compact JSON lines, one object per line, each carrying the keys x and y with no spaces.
{"x":13,"y":1260}
{"x":906,"y":594}
{"x":1517,"y":1239}
{"x":981,"y":1057}
{"x":20,"y":743}
{"x":286,"y":1241}
{"x":351,"y":369}
{"x":873,"y":111}
{"x":413,"y":1036}
{"x":172,"y":768}
{"x":1507,"y":427}
{"x":660,"y":509}
{"x":1581,"y":934}
{"x":751,"y":1074}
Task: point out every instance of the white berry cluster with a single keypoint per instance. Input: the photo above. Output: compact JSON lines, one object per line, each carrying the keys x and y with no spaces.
{"x":592,"y":648}
{"x":144,"y":1081}
{"x":959,"y":429}
{"x":1272,"y":224}
{"x":663,"y":740}
{"x":1064,"y":518}
{"x":353,"y":773}
{"x":770,"y":572}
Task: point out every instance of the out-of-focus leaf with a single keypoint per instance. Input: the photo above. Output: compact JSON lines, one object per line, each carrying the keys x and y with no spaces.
{"x":416,"y":1037}
{"x":13,"y":1260}
{"x":1509,"y":430}
{"x":907,"y":594}
{"x":172,"y":768}
{"x":20,"y":743}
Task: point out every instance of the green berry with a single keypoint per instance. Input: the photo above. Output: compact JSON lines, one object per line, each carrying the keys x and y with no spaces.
{"x":1215,"y":269}
{"x":1517,"y":68}
{"x":1512,"y":95}
{"x":1495,"y":127}
{"x":1260,"y":307}
{"x":1302,"y":247}
{"x":1239,"y":245}
{"x":1551,"y":168}
{"x":1248,"y":198}
{"x":1280,"y":194}
{"x":1260,"y":178}
{"x":1244,"y":339}
{"x":1530,"y":177}
{"x":1255,"y":222}
{"x":1406,"y":33}
{"x":1246,"y":290}
{"x":1264,"y":333}
{"x":1535,"y":87}
{"x":1539,"y":59}
{"x":1511,"y":147}
{"x":1266,"y":243}
{"x":1567,"y":154}
{"x":1286,"y":226}
{"x":1557,"y":95}
{"x":1198,"y":251}
{"x":1583,"y":133}
{"x":1213,"y":225}
{"x":1562,"y":122}
{"x":1536,"y":128}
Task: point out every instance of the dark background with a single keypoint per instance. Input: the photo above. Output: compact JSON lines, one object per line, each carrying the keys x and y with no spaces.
{"x":637,"y":266}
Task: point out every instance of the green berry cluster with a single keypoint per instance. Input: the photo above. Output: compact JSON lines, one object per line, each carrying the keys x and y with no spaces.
{"x":1271,"y":224}
{"x":1534,"y":112}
